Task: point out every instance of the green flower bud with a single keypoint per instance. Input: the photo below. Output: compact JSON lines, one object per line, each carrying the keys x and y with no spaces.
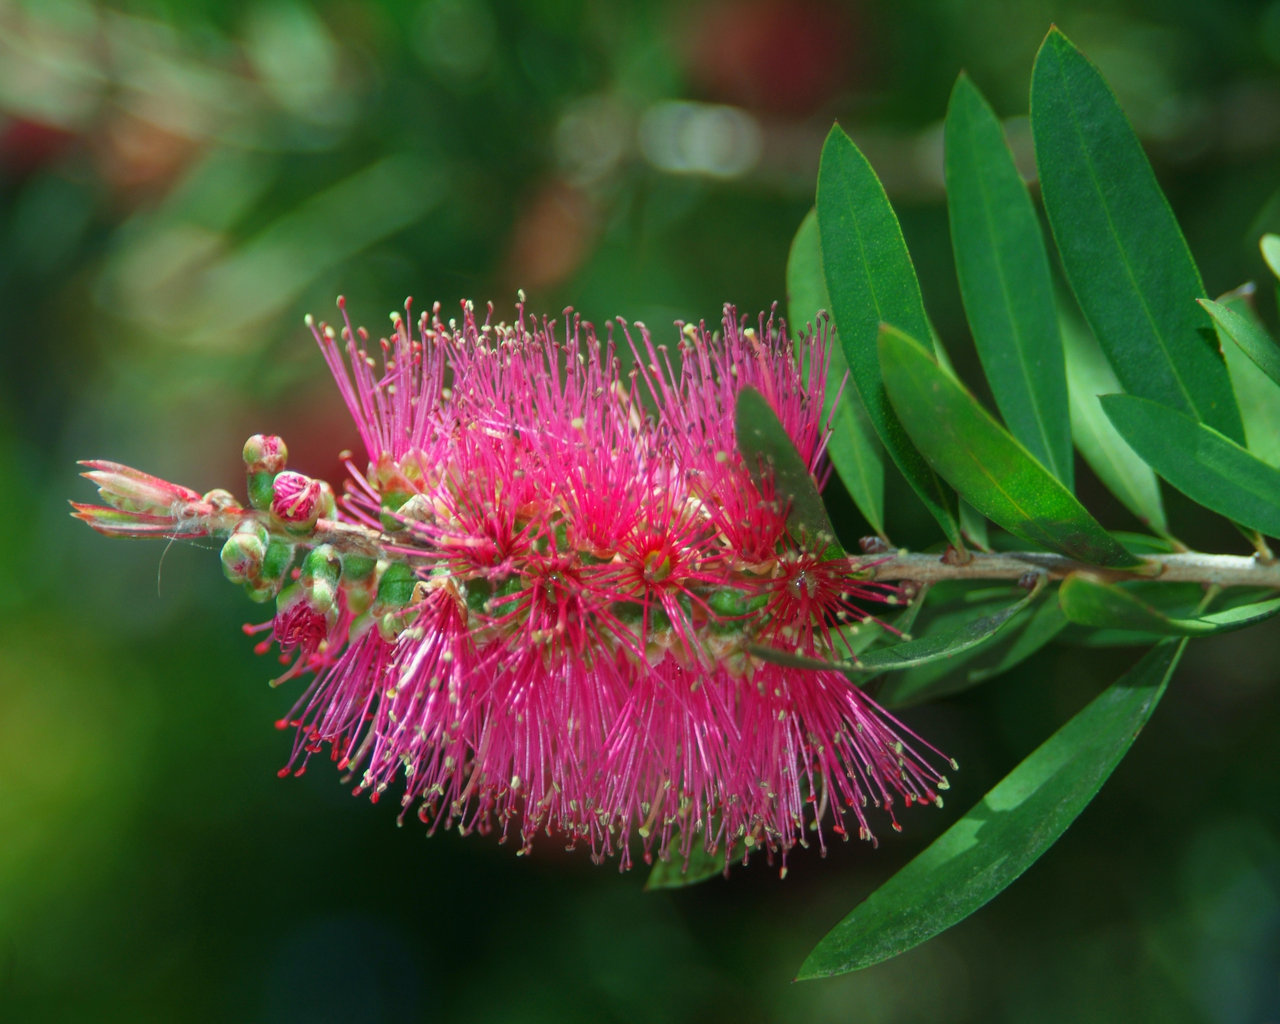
{"x":265,"y":455}
{"x":320,"y":575}
{"x":244,"y":552}
{"x":395,"y":589}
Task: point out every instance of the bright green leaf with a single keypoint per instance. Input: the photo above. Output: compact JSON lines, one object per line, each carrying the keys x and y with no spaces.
{"x":1003,"y":271}
{"x":853,"y":448}
{"x":870,"y":279}
{"x":1121,"y":247}
{"x":1248,"y":350}
{"x":1091,"y":602}
{"x":1205,"y":466}
{"x":1108,"y":455}
{"x":976,"y":455}
{"x":1270,"y":246}
{"x":1253,"y":361}
{"x":1250,"y":336}
{"x":1020,"y":818}
{"x":764,"y":443}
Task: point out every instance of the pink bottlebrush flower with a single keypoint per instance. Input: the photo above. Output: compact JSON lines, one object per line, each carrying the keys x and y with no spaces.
{"x":535,"y":609}
{"x":590,"y":560}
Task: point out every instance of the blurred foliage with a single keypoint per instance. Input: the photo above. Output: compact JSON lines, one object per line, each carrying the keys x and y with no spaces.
{"x":180,"y":181}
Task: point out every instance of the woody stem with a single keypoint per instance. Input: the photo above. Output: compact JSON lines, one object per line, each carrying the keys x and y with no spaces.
{"x":1221,"y":570}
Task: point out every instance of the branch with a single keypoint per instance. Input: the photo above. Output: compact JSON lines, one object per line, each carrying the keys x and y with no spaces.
{"x":1220,"y":570}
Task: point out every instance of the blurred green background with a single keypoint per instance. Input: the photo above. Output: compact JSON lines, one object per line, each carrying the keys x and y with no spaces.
{"x":180,"y":182}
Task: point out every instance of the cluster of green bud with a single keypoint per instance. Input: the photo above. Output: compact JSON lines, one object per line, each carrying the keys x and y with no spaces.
{"x":253,"y":558}
{"x":284,"y":510}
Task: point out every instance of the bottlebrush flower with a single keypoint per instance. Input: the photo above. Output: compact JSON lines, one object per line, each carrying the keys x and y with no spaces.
{"x":534,"y":610}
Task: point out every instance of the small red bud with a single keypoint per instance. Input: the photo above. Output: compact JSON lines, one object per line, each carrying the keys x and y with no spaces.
{"x":265,"y":453}
{"x":296,"y":500}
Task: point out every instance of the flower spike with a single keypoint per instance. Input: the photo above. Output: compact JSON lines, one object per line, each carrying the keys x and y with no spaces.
{"x":534,"y":608}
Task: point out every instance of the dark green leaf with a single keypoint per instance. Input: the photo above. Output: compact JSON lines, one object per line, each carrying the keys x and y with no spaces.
{"x":870,"y":279}
{"x":1205,"y":466}
{"x":974,"y":527}
{"x":1143,"y":543}
{"x":1020,"y":818}
{"x":976,"y":455}
{"x":1173,"y":600}
{"x":1004,"y":280}
{"x":853,"y":448}
{"x":674,"y":874}
{"x":852,"y":639}
{"x":1043,"y":624}
{"x":1092,"y":602}
{"x":940,"y":644}
{"x":1121,"y":247}
{"x":949,"y":672}
{"x":1116,"y":464}
{"x":764,"y":444}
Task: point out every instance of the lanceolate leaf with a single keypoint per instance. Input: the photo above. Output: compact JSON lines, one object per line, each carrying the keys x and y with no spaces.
{"x":974,"y":527}
{"x":940,"y":644}
{"x":976,"y":455}
{"x":1092,"y":602}
{"x":1027,"y":632}
{"x":930,"y":679}
{"x":870,"y":279}
{"x":1270,"y":246}
{"x":1121,"y":247}
{"x":764,"y":443}
{"x":1205,"y":466}
{"x":1108,"y":455}
{"x":1043,"y":624}
{"x":1020,"y":818}
{"x":1249,"y":336}
{"x":674,"y":874}
{"x":853,"y":448}
{"x":1004,"y":280}
{"x":1252,"y":359}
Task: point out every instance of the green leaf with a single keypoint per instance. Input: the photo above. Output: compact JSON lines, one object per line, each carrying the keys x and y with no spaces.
{"x":1121,"y":247}
{"x":938,"y":644}
{"x":1043,"y":626}
{"x":1028,"y":631}
{"x":976,"y":455}
{"x":1249,"y":350}
{"x":870,"y":279}
{"x":1205,"y":466}
{"x":764,"y":443}
{"x":1250,"y":337}
{"x":946,"y":648}
{"x":1020,"y":818}
{"x":1091,"y":602}
{"x":675,"y":874}
{"x":974,"y":527}
{"x":1270,"y":246}
{"x":1108,"y":455}
{"x":853,"y":448}
{"x":1003,"y":271}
